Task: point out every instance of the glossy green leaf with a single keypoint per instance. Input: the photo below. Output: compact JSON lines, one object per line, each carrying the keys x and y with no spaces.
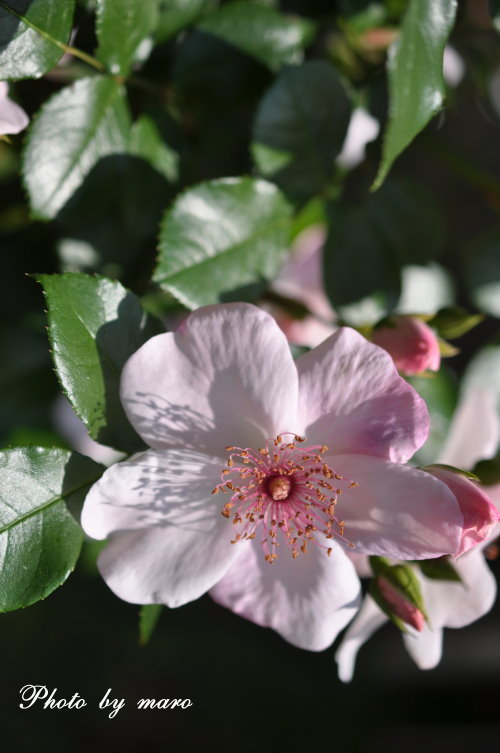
{"x":74,"y":129}
{"x":300,"y":127}
{"x":122,"y":25}
{"x":32,"y":35}
{"x":146,"y":142}
{"x":263,"y":33}
{"x":95,"y":324}
{"x":416,"y":83}
{"x":148,"y":619}
{"x":482,"y":273}
{"x":39,"y":539}
{"x":222,"y":240}
{"x":176,"y":15}
{"x":439,"y":391}
{"x":454,"y":322}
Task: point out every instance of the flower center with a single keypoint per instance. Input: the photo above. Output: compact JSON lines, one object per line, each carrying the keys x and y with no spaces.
{"x":278,"y":487}
{"x":285,"y":491}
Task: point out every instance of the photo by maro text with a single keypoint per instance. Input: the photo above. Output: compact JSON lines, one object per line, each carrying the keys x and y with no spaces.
{"x":40,"y":695}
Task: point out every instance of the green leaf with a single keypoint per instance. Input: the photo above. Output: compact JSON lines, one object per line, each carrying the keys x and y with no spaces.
{"x":439,"y":391}
{"x":300,"y":127}
{"x":357,"y":261}
{"x":110,"y":225}
{"x":440,"y":568}
{"x":95,"y":324}
{"x":148,"y":619}
{"x":261,"y":32}
{"x":146,"y":142}
{"x":122,"y":25}
{"x":369,"y":244}
{"x":452,"y":468}
{"x":39,"y":539}
{"x":488,"y":471}
{"x":176,"y":15}
{"x":222,"y":240}
{"x":482,"y":273}
{"x":495,"y":13}
{"x":454,"y":322}
{"x":416,"y":83}
{"x":32,"y":36}
{"x":74,"y":129}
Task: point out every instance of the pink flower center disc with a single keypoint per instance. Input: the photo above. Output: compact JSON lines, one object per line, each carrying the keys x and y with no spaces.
{"x":285,"y":492}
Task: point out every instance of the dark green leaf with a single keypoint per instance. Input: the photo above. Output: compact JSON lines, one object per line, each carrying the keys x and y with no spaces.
{"x":121,"y":27}
{"x":395,"y":214}
{"x":73,"y":130}
{"x":495,"y":13}
{"x":357,"y":262}
{"x":300,"y":128}
{"x":488,"y":471}
{"x":369,"y":243}
{"x":39,"y":539}
{"x":416,"y":83}
{"x":146,"y":142}
{"x":32,"y":35}
{"x":222,"y":240}
{"x":148,"y":619}
{"x":439,"y":391}
{"x":261,"y":32}
{"x":175,"y":15}
{"x":94,"y":326}
{"x":439,"y":569}
{"x":110,"y":224}
{"x":482,"y":273}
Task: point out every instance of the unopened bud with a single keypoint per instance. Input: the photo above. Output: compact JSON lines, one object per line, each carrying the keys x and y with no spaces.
{"x":399,"y":605}
{"x":479,"y":512}
{"x":413,"y":345}
{"x":396,"y":590}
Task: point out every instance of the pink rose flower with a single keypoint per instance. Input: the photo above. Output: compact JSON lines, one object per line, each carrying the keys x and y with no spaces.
{"x":13,"y":119}
{"x":263,"y":472}
{"x":413,"y":345}
{"x":473,"y":435}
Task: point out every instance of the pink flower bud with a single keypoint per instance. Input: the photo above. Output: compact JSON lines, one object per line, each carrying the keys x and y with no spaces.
{"x":480,"y":514}
{"x":399,"y":605}
{"x":413,"y":345}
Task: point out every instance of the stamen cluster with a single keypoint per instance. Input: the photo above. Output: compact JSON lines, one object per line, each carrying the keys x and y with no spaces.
{"x":283,"y":488}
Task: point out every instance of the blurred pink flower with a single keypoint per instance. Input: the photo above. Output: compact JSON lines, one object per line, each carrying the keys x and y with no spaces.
{"x":473,"y":435}
{"x":317,"y":451}
{"x":412,"y":344}
{"x":13,"y":119}
{"x":301,"y":280}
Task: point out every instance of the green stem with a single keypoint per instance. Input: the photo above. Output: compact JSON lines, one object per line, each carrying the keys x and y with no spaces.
{"x":64,"y":47}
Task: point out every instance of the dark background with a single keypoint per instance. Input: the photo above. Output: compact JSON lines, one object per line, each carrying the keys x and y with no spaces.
{"x":251,"y":690}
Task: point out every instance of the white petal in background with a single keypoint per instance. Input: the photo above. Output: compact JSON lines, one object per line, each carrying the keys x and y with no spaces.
{"x":13,"y":119}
